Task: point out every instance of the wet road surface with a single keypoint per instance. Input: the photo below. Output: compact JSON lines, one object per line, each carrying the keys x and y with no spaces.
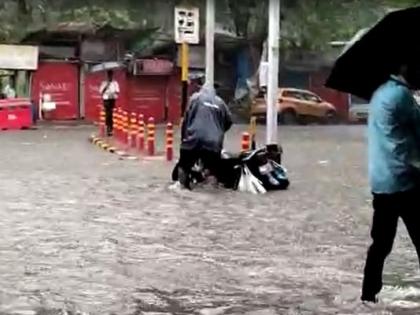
{"x":85,"y":233}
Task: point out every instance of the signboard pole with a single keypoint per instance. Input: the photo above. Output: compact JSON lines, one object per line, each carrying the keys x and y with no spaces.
{"x":210,"y":25}
{"x":184,"y":76}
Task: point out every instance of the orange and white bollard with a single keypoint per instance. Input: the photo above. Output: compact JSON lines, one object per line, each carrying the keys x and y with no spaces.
{"x":118,"y":124}
{"x":151,"y":130}
{"x":115,"y":119}
{"x":121,"y":125}
{"x":246,"y":142}
{"x":169,"y":142}
{"x":133,"y":130}
{"x":114,"y":122}
{"x":142,"y":133}
{"x":125,"y":129}
{"x":102,"y":123}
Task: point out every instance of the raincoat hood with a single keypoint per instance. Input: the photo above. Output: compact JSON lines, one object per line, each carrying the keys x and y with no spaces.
{"x":207,"y":93}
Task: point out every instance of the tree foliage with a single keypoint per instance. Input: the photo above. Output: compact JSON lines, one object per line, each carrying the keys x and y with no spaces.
{"x":100,"y":16}
{"x":313,"y":24}
{"x":306,"y":24}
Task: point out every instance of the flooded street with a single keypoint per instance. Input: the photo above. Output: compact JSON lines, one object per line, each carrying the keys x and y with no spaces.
{"x":85,"y":233}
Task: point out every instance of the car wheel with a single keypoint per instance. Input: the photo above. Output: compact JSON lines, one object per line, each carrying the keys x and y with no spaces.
{"x":289,"y":117}
{"x":305,"y":120}
{"x":331,"y":117}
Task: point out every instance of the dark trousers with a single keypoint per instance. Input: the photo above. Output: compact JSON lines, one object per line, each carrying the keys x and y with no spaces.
{"x":387,"y":210}
{"x":188,"y":158}
{"x":109,"y":111}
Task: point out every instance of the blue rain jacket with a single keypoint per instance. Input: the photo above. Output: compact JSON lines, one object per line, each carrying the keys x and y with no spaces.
{"x":394,"y":138}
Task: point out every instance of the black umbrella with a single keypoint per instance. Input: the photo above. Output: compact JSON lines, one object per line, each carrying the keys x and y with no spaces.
{"x":369,"y":62}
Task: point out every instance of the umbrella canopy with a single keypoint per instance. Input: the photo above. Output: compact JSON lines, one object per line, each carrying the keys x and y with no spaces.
{"x":107,"y":66}
{"x":369,"y":62}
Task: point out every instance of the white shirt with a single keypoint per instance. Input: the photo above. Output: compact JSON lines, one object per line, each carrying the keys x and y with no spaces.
{"x":109,"y":90}
{"x":9,"y":92}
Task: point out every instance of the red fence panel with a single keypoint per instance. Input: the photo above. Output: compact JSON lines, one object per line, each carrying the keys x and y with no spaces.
{"x":174,"y":99}
{"x":61,"y":81}
{"x":147,"y":95}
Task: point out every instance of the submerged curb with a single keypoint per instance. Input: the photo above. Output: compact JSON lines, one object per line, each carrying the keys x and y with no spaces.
{"x":104,"y":145}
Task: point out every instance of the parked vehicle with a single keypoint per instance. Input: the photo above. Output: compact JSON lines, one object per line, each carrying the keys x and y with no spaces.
{"x":358,"y":110}
{"x":295,"y":105}
{"x":359,"y":113}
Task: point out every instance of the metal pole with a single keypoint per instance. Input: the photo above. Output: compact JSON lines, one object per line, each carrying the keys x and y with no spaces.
{"x":210,"y":25}
{"x":273,"y":70}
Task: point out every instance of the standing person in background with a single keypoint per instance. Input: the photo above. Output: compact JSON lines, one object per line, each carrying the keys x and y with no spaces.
{"x":9,"y":90}
{"x":109,"y":90}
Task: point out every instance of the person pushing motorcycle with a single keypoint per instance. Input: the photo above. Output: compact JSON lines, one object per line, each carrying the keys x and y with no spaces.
{"x":206,"y":121}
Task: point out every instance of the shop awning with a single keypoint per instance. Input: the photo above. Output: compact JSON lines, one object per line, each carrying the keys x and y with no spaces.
{"x":18,"y":57}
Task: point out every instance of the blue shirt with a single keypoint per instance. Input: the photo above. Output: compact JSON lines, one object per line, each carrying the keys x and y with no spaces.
{"x":394,"y":138}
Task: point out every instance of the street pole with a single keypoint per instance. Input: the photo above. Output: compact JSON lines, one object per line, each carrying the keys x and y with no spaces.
{"x":184,"y":77}
{"x":210,"y":26}
{"x":273,"y":72}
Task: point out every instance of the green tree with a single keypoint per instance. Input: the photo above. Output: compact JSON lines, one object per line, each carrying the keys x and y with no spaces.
{"x":99,"y":16}
{"x":311,"y":25}
{"x":307,"y":24}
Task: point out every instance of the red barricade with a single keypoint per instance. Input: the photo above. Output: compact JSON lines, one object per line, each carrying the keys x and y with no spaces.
{"x":15,"y":114}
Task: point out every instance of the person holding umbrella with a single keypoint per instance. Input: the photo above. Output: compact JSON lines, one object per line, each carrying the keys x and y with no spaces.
{"x":394,"y":143}
{"x":109,"y":90}
{"x":384,"y":66}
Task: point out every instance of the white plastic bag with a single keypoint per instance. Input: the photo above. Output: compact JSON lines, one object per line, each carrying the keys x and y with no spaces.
{"x":242,"y":186}
{"x":249,"y":183}
{"x":255,"y":183}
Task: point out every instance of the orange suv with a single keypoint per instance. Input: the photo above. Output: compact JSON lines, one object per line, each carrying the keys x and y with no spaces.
{"x":296,"y":105}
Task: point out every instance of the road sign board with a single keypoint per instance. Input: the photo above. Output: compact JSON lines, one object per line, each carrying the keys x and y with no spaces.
{"x":187,"y":25}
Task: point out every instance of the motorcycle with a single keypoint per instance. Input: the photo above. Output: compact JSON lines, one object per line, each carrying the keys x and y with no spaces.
{"x":271,"y":174}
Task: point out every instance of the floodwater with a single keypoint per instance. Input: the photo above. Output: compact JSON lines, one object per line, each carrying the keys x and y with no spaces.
{"x":85,"y":233}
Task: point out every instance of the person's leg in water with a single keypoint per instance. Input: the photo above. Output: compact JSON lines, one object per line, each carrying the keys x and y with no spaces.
{"x":109,"y":111}
{"x":411,"y":218}
{"x":211,"y":163}
{"x":187,"y":159}
{"x":384,"y":228}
